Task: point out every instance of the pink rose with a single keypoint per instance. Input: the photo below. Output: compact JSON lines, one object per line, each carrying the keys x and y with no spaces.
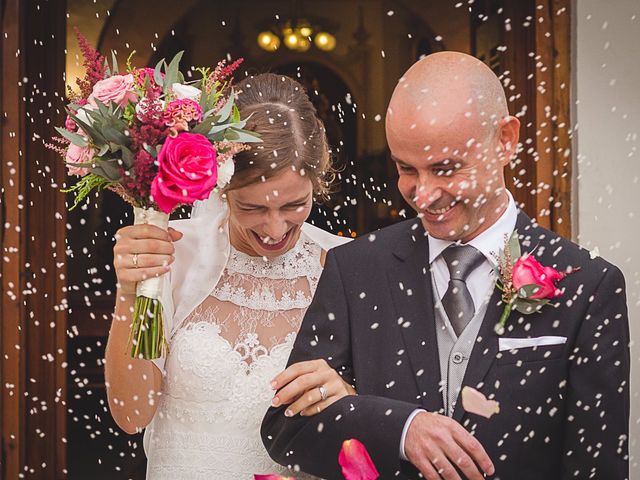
{"x":528,"y":271}
{"x":118,"y":89}
{"x":140,"y":75}
{"x":76,"y":154}
{"x":187,"y":171}
{"x":69,"y":124}
{"x":355,"y":461}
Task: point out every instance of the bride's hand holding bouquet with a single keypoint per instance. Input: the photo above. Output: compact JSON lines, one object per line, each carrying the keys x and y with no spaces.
{"x":159,"y":142}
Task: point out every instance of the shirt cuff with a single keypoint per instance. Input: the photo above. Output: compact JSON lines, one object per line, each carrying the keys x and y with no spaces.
{"x":406,"y":429}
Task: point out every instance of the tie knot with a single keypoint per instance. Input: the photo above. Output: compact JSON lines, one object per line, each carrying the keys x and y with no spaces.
{"x":462,"y":260}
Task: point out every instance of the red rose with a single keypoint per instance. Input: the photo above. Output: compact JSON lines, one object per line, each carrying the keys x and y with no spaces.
{"x":187,"y":171}
{"x":528,"y":271}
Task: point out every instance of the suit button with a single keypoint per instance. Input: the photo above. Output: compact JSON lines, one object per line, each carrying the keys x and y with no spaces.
{"x":457,"y":357}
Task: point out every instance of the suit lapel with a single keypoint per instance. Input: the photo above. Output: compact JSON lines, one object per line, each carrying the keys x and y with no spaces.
{"x":485,"y":349}
{"x":411,"y":290}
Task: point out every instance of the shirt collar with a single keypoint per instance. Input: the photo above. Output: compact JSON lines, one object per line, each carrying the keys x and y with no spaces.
{"x":489,"y":242}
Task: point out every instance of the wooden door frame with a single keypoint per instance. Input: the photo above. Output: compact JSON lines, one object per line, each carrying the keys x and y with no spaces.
{"x":32,"y":235}
{"x":537,"y":64}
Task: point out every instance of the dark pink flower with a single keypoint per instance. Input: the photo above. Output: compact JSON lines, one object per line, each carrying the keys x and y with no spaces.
{"x":179,"y":113}
{"x":140,"y":75}
{"x":528,"y":271}
{"x":355,"y":461}
{"x":187,"y":171}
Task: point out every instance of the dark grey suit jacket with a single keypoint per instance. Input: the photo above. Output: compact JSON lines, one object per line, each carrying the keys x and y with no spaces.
{"x":564,"y":409}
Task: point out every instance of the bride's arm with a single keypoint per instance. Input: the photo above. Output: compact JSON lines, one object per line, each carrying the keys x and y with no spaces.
{"x":133,"y":384}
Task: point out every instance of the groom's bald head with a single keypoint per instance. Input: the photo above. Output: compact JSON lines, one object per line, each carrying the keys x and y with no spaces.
{"x":447,"y":88}
{"x":450,"y":134}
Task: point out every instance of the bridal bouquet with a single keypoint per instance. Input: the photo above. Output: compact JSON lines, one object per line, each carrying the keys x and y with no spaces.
{"x":156,"y":140}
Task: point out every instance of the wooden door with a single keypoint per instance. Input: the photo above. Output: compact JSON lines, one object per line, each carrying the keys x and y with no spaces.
{"x":32,"y":234}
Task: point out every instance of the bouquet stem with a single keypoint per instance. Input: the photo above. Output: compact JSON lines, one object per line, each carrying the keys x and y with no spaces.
{"x":147,"y":338}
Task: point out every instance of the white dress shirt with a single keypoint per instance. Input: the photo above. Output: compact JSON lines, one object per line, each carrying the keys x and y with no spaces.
{"x":480,"y":282}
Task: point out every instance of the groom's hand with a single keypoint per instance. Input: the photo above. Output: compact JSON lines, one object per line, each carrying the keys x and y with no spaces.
{"x":435,"y":443}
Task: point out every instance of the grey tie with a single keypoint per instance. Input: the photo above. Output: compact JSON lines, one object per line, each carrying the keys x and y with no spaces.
{"x":457,"y":301}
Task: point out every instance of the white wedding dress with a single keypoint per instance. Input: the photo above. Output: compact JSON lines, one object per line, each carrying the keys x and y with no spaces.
{"x":216,"y":387}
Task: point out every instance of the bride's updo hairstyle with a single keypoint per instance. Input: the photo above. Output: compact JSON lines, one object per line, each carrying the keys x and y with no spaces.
{"x":293,"y":137}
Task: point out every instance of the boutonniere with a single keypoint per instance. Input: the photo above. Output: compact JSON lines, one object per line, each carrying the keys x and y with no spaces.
{"x":526,"y":284}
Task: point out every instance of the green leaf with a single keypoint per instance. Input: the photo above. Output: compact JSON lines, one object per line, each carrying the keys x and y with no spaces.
{"x":74,"y":138}
{"x":235,"y":116}
{"x":84,"y":186}
{"x":171,"y":72}
{"x":527,"y":291}
{"x":104,"y":149}
{"x":94,"y":134}
{"x":204,"y":126}
{"x":514,"y":246}
{"x":114,"y":62}
{"x":107,"y":168}
{"x":223,"y":126}
{"x":528,"y":307}
{"x":157,"y":73}
{"x":115,"y":136}
{"x":127,"y":157}
{"x":152,"y":151}
{"x":240,"y":135}
{"x":227,"y":108}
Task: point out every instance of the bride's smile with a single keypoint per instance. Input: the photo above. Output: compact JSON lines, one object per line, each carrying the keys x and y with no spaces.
{"x":266,"y":217}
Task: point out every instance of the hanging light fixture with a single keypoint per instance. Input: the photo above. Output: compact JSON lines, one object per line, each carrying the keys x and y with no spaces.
{"x":269,"y":41}
{"x":297,"y":36}
{"x":325,"y":41}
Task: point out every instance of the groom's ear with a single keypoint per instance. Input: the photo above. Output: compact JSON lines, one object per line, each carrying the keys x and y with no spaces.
{"x":509,"y":134}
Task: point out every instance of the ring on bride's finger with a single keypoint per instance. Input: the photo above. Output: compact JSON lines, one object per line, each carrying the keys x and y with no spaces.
{"x":323,"y":392}
{"x":135,"y":260}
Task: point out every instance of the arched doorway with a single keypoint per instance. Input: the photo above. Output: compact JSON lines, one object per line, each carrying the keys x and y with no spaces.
{"x":333,"y":101}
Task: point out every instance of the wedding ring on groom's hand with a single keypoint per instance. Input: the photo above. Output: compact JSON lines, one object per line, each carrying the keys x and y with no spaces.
{"x":135,"y":260}
{"x":323,"y":392}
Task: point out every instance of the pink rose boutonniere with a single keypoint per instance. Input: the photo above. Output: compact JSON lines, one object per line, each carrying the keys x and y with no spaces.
{"x":526,"y":284}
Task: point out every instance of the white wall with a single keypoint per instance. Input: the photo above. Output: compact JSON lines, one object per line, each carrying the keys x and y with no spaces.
{"x":606,"y":91}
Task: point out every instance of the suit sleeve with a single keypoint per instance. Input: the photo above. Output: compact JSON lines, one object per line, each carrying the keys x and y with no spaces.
{"x":312,"y":444}
{"x":597,"y":417}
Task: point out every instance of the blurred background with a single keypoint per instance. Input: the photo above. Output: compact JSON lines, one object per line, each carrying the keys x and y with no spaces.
{"x":570,"y":69}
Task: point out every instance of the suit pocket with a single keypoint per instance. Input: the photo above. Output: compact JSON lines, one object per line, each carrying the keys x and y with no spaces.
{"x":530,"y":354}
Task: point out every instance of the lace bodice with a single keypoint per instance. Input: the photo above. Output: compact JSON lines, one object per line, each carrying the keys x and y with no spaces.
{"x":216,"y":388}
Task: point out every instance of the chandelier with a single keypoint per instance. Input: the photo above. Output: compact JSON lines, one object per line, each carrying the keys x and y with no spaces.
{"x":297,"y":36}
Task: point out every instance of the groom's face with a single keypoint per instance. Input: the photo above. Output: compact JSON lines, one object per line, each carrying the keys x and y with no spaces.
{"x":450,"y":172}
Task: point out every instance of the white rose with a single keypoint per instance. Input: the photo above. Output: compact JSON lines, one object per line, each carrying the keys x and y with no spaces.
{"x":225,"y":172}
{"x":186,"y":91}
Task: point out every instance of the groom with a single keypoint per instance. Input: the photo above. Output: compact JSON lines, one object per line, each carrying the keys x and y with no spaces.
{"x":407,"y":315}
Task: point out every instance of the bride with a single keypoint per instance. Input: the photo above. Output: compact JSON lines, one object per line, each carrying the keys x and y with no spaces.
{"x":243,"y":270}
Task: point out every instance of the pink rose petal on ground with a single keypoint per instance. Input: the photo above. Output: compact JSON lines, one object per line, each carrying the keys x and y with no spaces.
{"x":474,"y":401}
{"x":271,"y":477}
{"x":355,"y":461}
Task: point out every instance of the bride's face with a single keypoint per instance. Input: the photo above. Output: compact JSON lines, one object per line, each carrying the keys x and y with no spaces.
{"x":266,"y":217}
